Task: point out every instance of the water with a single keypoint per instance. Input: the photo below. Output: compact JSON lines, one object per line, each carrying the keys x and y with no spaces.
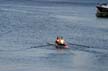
{"x":34,"y":23}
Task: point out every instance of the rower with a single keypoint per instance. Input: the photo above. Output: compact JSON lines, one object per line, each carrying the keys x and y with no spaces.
{"x":57,"y":40}
{"x":60,"y":40}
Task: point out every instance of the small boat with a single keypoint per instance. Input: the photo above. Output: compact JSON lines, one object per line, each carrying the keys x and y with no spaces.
{"x":61,"y":46}
{"x":102,"y":10}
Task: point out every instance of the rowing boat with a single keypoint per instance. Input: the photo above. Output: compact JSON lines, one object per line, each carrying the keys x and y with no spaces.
{"x":61,"y":46}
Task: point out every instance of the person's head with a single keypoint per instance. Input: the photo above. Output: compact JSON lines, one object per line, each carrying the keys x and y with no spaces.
{"x":58,"y":37}
{"x":61,"y":37}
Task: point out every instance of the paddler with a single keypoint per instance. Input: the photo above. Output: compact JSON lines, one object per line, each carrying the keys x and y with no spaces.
{"x":57,"y":40}
{"x":60,"y":41}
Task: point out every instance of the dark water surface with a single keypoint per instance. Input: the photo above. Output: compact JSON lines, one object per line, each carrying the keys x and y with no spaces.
{"x":34,"y":23}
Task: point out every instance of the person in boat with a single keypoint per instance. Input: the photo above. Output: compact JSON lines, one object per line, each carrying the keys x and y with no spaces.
{"x":57,"y":40}
{"x":60,"y":41}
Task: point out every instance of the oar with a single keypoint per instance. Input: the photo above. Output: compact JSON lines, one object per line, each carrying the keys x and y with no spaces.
{"x":80,"y":45}
{"x":51,"y":43}
{"x":48,"y":44}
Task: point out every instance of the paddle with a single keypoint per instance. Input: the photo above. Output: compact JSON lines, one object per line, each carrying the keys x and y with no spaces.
{"x":48,"y":44}
{"x":79,"y":45}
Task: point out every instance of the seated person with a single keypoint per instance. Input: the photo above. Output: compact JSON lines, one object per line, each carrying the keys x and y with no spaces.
{"x":60,"y":41}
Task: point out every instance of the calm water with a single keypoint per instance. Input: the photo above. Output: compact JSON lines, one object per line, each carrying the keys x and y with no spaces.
{"x":31,"y":23}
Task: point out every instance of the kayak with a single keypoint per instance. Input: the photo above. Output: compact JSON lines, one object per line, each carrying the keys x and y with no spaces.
{"x":61,"y":46}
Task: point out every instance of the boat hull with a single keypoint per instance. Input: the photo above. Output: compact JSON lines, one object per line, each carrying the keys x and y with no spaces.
{"x":102,"y":11}
{"x":61,"y":46}
{"x":102,"y":14}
